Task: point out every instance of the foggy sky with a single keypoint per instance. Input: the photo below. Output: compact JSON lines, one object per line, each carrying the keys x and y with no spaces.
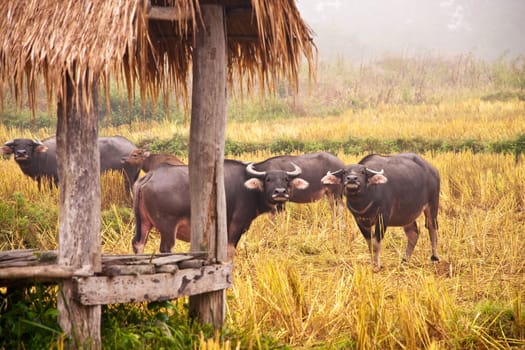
{"x":364,"y":29}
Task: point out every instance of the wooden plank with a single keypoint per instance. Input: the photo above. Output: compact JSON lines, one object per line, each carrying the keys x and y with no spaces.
{"x":22,"y":257}
{"x":42,"y":271}
{"x":16,"y":254}
{"x":162,"y":286}
{"x":172,"y":259}
{"x":117,"y":270}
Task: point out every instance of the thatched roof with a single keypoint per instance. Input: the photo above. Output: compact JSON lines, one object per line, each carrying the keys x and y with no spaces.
{"x":131,"y":41}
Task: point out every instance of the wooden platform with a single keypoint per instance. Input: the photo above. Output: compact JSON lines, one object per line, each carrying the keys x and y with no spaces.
{"x":123,"y":279}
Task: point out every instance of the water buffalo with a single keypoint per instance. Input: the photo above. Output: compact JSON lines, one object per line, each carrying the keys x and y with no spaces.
{"x":38,"y":160}
{"x":314,"y":166}
{"x":148,"y":161}
{"x":162,"y":200}
{"x":384,"y":191}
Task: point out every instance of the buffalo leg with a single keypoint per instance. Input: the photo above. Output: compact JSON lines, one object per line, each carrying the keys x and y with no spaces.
{"x":431,"y":224}
{"x":167,"y":238}
{"x":380,"y":229}
{"x":374,"y":246}
{"x":138,"y":245}
{"x":166,"y":244}
{"x":412,"y":233}
{"x":143,"y":226}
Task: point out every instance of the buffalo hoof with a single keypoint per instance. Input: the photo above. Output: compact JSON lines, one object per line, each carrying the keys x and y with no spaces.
{"x":434,"y":258}
{"x":376,"y":268}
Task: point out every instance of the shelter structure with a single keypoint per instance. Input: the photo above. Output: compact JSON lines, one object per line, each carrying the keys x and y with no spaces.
{"x":158,"y":47}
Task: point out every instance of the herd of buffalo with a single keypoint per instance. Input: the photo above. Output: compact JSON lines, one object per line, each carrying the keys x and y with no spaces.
{"x":380,"y":191}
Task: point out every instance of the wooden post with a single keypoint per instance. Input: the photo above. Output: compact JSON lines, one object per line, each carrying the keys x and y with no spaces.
{"x":206,"y":154}
{"x":79,"y":217}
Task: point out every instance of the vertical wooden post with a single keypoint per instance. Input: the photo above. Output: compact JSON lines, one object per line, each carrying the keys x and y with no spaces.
{"x":206,"y":154}
{"x":79,"y":217}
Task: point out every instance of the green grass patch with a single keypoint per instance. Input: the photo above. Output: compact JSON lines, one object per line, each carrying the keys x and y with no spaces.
{"x":180,"y":145}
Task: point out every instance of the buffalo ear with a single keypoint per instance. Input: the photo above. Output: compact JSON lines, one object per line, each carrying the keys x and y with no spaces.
{"x":300,"y":184}
{"x":6,"y":150}
{"x":331,"y":179}
{"x":41,"y":149}
{"x":254,"y":184}
{"x":377,"y":179}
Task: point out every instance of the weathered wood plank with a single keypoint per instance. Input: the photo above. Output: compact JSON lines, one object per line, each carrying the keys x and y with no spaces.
{"x":164,"y":286}
{"x":42,"y":272}
{"x":117,"y":270}
{"x":24,"y":257}
{"x":16,"y":254}
{"x":172,"y":259}
{"x":29,"y":257}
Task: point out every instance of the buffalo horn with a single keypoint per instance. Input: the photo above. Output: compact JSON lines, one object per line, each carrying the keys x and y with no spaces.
{"x":381,"y":172}
{"x":296,"y":172}
{"x":252,"y":171}
{"x":335,"y":173}
{"x":9,"y":143}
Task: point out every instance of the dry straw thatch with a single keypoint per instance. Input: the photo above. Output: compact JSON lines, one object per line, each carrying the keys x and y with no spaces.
{"x":43,"y":40}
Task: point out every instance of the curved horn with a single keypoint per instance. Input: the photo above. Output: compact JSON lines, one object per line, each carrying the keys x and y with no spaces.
{"x":252,"y":171}
{"x":336,"y":172}
{"x":296,"y":172}
{"x":381,"y":172}
{"x":9,"y":143}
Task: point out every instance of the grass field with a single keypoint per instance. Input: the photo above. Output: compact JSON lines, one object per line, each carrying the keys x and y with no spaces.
{"x":302,"y":282}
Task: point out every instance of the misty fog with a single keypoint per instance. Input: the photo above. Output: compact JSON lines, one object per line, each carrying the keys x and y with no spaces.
{"x":360,"y":30}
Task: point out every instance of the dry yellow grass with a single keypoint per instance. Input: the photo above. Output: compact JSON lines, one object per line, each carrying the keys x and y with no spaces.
{"x":450,"y":120}
{"x":471,"y":119}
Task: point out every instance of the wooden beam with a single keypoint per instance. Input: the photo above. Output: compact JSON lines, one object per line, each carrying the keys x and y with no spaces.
{"x":161,"y":286}
{"x":206,"y":154}
{"x":79,"y":216}
{"x":38,"y":272}
{"x":167,"y":13}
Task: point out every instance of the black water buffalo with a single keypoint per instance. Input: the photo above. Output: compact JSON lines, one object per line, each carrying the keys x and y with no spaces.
{"x":162,"y":200}
{"x":314,"y":166}
{"x":384,"y":191}
{"x":38,"y":160}
{"x":147,"y":161}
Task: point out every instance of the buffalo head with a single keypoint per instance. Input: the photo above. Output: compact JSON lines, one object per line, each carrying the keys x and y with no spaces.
{"x":355,"y":178}
{"x":136,"y":157}
{"x":276,"y":185}
{"x":23,"y":149}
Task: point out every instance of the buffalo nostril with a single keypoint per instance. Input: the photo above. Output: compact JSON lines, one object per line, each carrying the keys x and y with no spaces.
{"x":279,"y":191}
